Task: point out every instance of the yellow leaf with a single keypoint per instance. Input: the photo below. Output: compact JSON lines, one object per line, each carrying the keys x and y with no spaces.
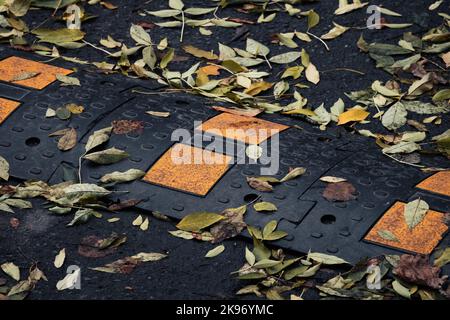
{"x":199,"y":53}
{"x":257,"y":88}
{"x":354,"y":114}
{"x":199,"y":220}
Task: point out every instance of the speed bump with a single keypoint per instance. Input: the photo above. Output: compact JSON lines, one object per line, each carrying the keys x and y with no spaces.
{"x":29,"y":73}
{"x":391,"y":230}
{"x":6,"y":108}
{"x":197,"y":174}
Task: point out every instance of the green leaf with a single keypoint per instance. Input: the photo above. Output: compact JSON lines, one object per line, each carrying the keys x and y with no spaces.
{"x":313,"y":19}
{"x":256,"y":48}
{"x":415,"y":212}
{"x":266,"y":263}
{"x":285,"y":58}
{"x":167,"y":58}
{"x":402,"y":147}
{"x":325,"y":258}
{"x":97,"y":138}
{"x":442,"y":95}
{"x":117,"y":176}
{"x":215,"y":252}
{"x":387,"y":235}
{"x":443,"y":259}
{"x":395,"y":116}
{"x":82,"y":216}
{"x":176,"y":4}
{"x":107,"y":156}
{"x":264,"y":206}
{"x":269,"y":228}
{"x":401,"y":290}
{"x":140,"y":35}
{"x":250,"y":257}
{"x":198,"y":221}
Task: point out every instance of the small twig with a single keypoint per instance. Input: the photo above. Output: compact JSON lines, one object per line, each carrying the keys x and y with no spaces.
{"x":314,"y":36}
{"x":268,"y":62}
{"x":95,"y":47}
{"x":404,"y":162}
{"x":80,"y":159}
{"x":344,"y":69}
{"x":182,"y":26}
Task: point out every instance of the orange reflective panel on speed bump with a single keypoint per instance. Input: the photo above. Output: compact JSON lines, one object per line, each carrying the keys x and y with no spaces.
{"x":438,"y":183}
{"x":189,"y":169}
{"x":29,"y":73}
{"x":6,"y":108}
{"x":249,"y":130}
{"x":392,"y":230}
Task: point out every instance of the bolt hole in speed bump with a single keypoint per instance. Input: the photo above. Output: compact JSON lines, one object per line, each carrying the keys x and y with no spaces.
{"x":188,"y":169}
{"x":6,"y":108}
{"x":438,"y":183}
{"x":422,"y":239}
{"x":29,"y":73}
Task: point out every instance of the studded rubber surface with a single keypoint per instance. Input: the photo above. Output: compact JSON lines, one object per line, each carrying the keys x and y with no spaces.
{"x":311,"y":221}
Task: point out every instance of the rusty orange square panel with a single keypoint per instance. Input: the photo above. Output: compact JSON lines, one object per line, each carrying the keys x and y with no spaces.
{"x":6,"y":108}
{"x":29,"y":73}
{"x":392,"y":230}
{"x":189,"y":169}
{"x":246,"y":129}
{"x":437,"y":183}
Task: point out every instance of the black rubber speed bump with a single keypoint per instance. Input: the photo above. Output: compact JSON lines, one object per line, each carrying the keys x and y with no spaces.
{"x":24,"y":127}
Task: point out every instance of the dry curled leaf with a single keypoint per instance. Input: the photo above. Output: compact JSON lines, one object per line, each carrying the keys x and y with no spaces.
{"x":417,"y":270}
{"x":259,"y":185}
{"x":127,"y":126}
{"x":340,"y":191}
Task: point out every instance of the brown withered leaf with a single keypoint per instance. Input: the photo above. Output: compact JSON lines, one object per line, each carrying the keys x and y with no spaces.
{"x":14,"y":223}
{"x":146,"y":25}
{"x":259,"y":185}
{"x":7,"y":189}
{"x":417,"y":270}
{"x":231,"y":226}
{"x":95,"y":247}
{"x":123,"y":204}
{"x":127,"y":126}
{"x":417,"y":125}
{"x":341,"y":191}
{"x":69,"y":140}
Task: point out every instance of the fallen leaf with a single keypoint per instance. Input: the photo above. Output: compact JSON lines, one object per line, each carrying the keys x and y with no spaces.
{"x":197,"y":221}
{"x":215,"y":252}
{"x":108,"y":156}
{"x":330,"y":179}
{"x":11,"y":270}
{"x":340,"y":191}
{"x":417,"y":270}
{"x":354,"y":114}
{"x":69,"y":281}
{"x":127,"y":126}
{"x":128,"y":264}
{"x":415,"y":212}
{"x":264,"y":206}
{"x":60,"y":258}
{"x":231,"y":226}
{"x":259,"y":185}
